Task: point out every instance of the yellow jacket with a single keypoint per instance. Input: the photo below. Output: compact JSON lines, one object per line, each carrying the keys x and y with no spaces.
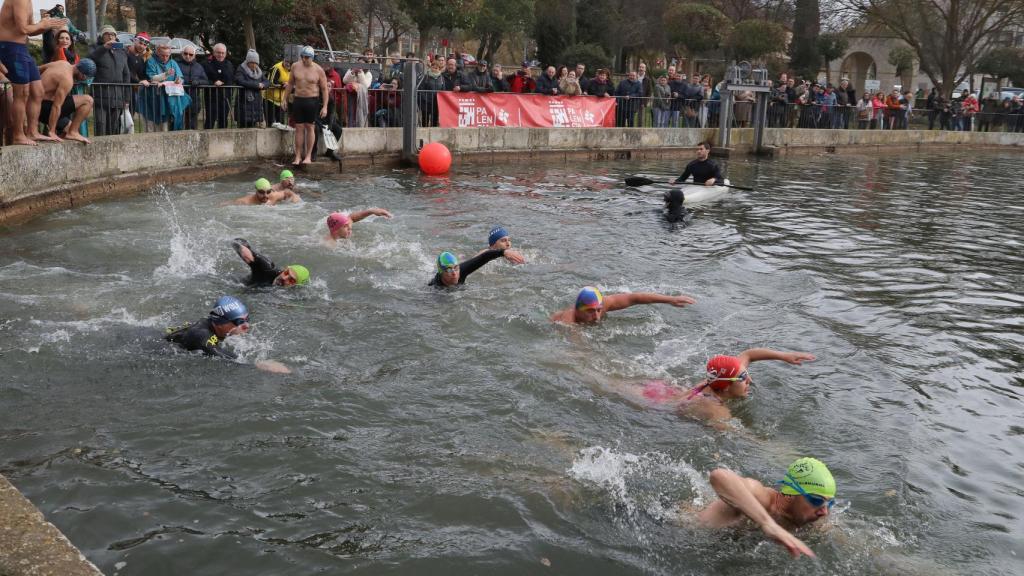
{"x":278,"y":76}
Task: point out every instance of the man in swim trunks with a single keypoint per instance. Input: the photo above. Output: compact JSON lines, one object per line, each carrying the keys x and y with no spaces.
{"x":285,"y":183}
{"x":499,"y":239}
{"x":308,"y":83}
{"x":15,"y":28}
{"x":265,"y":194}
{"x":58,"y":79}
{"x":592,"y":306}
{"x":451,"y":273}
{"x":806,"y":495}
{"x":703,"y":170}
{"x":727,"y":379}
{"x":228,"y":317}
{"x":264,"y":273}
{"x":339,"y":224}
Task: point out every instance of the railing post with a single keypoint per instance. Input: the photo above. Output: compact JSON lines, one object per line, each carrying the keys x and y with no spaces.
{"x":759,"y":120}
{"x":409,"y":148}
{"x":725,"y":117}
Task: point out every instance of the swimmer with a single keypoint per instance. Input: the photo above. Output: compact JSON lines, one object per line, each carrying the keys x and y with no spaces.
{"x":264,"y":273}
{"x":592,"y":306}
{"x":498,"y":240}
{"x":727,"y":379}
{"x":806,"y":495}
{"x":285,"y":182}
{"x":703,"y":170}
{"x":265,"y":194}
{"x":339,"y":224}
{"x":229,"y":317}
{"x":451,"y":273}
{"x":674,"y":210}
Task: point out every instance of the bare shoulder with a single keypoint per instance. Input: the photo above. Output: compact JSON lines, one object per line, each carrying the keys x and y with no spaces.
{"x":563,"y":316}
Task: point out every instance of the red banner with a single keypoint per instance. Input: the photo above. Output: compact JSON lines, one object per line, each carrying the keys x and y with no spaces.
{"x":473,"y":110}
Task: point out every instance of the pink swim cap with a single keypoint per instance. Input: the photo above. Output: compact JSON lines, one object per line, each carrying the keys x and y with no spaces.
{"x":336,"y":220}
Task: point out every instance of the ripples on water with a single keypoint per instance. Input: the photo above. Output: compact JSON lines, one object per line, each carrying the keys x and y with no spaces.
{"x":462,"y":432}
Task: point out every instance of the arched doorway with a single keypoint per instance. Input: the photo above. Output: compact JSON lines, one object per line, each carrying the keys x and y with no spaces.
{"x":858,"y":67}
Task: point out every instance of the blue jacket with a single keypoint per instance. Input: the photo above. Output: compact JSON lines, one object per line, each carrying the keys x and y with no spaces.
{"x":631,"y":88}
{"x":545,"y":84}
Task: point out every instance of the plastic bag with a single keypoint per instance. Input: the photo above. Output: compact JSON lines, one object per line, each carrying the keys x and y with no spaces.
{"x":127,"y":124}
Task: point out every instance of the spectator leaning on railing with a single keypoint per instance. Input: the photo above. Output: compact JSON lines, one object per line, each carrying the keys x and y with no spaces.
{"x":193,"y":77}
{"x":278,"y":76}
{"x":165,"y":99}
{"x":478,"y":80}
{"x":547,"y":84}
{"x":110,"y":90}
{"x":581,"y":76}
{"x":662,"y":106}
{"x":498,"y":81}
{"x":629,"y":94}
{"x":221,"y":73}
{"x":601,"y":85}
{"x":138,"y":54}
{"x":426,"y":93}
{"x":451,"y":76}
{"x":249,"y":108}
{"x":570,"y":86}
{"x":522,"y":81}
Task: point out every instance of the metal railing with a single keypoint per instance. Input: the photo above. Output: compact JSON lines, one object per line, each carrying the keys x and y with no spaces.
{"x":151,"y":108}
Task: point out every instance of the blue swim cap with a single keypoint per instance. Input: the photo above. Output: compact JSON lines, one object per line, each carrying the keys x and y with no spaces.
{"x":589,"y":297}
{"x":497,"y":233}
{"x":446,"y":260}
{"x":228,"y":309}
{"x":87,"y":67}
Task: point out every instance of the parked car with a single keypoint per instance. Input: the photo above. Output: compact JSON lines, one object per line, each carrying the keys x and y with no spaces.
{"x":1010,"y":93}
{"x":125,"y":38}
{"x":177,"y":44}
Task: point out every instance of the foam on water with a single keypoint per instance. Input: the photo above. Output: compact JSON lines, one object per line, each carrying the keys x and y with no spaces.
{"x":187,"y":254}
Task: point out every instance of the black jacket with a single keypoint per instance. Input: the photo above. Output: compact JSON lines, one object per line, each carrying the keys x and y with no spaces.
{"x":111,"y":68}
{"x":476,"y":82}
{"x":545,"y":84}
{"x":223,"y":71}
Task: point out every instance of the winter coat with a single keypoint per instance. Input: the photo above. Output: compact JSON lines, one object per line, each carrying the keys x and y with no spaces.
{"x":521,"y":83}
{"x":451,"y":79}
{"x":662,"y":97}
{"x":598,"y":88}
{"x":249,"y":106}
{"x":570,"y":87}
{"x":111,"y":68}
{"x":499,"y":83}
{"x":476,"y":81}
{"x":545,"y":85}
{"x":222,"y":71}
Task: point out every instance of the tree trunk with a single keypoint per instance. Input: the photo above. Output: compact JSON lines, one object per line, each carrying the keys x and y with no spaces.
{"x":141,"y":22}
{"x":250,"y":34}
{"x":101,"y":14}
{"x":424,"y":33}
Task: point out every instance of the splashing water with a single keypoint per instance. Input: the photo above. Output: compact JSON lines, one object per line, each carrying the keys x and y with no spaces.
{"x":185,"y":257}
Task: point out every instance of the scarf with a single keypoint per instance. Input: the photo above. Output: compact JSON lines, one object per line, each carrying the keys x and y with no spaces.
{"x":256,"y":75}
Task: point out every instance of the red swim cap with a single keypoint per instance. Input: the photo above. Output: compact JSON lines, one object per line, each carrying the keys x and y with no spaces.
{"x":723,"y":367}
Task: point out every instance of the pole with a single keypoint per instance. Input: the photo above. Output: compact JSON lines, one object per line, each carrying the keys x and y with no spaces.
{"x":328,"y":40}
{"x":725,"y":118}
{"x":92,"y":23}
{"x":409,"y":116}
{"x":759,"y":120}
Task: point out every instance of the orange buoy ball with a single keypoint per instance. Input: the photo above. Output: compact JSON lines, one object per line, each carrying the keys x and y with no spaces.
{"x":435,"y":159}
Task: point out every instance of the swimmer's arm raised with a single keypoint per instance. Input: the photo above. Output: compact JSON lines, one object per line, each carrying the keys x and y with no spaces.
{"x":758,"y":354}
{"x":751,"y":499}
{"x":620,"y":301}
{"x":357,"y":216}
{"x":474,"y":263}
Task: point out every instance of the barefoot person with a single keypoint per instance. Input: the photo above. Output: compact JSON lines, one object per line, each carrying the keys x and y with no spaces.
{"x":263,"y":271}
{"x":309,"y":86}
{"x":15,"y":28}
{"x":58,"y":79}
{"x":229,"y":317}
{"x":592,"y":306}
{"x":806,"y":495}
{"x":704,"y":170}
{"x":265,"y":194}
{"x":727,"y":379}
{"x":339,"y":224}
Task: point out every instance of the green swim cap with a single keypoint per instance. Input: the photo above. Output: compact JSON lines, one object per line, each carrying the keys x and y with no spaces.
{"x":812,"y":475}
{"x":263,"y":184}
{"x":446,"y":260}
{"x":301,"y":274}
{"x":286,"y":174}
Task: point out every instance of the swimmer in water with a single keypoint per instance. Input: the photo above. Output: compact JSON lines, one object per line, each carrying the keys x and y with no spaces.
{"x":266,"y":195}
{"x":703,"y":170}
{"x":806,"y":495}
{"x":674,"y":210}
{"x":229,"y":317}
{"x":264,"y":273}
{"x":451,"y":273}
{"x":339,"y":224}
{"x":727,"y":379}
{"x":592,"y":306}
{"x":499,"y":239}
{"x":285,"y":183}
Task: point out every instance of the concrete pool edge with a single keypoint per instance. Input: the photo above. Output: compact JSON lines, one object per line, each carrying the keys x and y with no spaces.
{"x":29,"y":544}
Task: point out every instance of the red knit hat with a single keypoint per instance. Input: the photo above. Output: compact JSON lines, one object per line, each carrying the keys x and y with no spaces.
{"x":723,"y":367}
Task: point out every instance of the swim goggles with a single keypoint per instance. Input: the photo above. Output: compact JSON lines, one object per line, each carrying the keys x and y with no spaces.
{"x":814,"y":500}
{"x":241,"y":321}
{"x":712,"y":378}
{"x":449,"y":269}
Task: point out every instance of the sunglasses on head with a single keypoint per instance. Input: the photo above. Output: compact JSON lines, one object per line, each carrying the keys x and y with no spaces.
{"x":814,"y":500}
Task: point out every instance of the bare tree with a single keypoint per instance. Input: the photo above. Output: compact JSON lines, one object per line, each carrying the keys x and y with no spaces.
{"x":947,"y":36}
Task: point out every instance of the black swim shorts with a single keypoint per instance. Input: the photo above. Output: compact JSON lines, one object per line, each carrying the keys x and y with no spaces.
{"x":305,"y":110}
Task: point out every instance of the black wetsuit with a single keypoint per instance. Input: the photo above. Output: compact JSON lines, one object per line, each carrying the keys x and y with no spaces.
{"x":262,"y":268}
{"x":702,"y":171}
{"x":674,"y":209}
{"x":469,"y":266}
{"x":199,"y":336}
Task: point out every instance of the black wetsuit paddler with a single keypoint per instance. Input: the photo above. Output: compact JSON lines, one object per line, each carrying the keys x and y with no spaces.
{"x":702,"y":171}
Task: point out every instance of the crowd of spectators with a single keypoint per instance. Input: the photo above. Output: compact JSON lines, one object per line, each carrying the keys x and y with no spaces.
{"x":142,"y":82}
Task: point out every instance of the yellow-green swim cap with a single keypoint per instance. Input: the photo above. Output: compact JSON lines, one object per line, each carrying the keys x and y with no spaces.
{"x":812,"y":475}
{"x":301,"y":274}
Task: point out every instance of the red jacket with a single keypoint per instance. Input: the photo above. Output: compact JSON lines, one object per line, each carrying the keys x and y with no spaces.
{"x":522,"y":83}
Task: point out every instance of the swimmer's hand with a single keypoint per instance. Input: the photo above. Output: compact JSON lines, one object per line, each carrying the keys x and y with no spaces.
{"x":273,"y":366}
{"x":514,"y":257}
{"x":796,"y":358}
{"x":381,"y":212}
{"x":782,"y":536}
{"x":681,"y":301}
